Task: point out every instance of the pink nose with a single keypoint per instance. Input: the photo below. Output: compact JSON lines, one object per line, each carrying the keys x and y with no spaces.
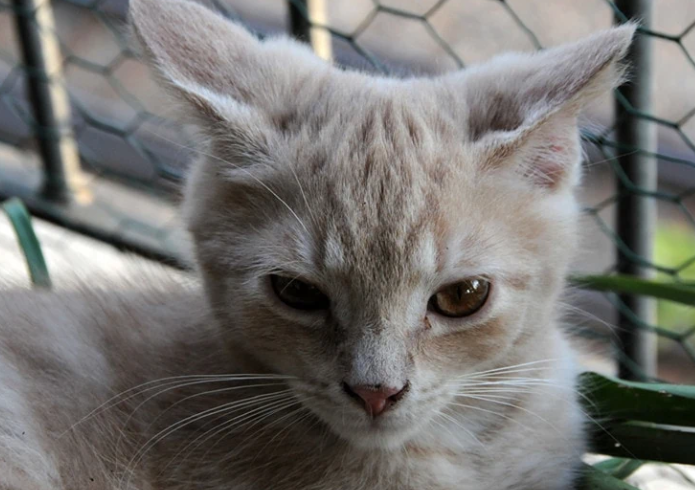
{"x":376,"y":399}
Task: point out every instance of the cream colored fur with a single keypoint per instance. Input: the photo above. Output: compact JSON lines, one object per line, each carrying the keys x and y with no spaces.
{"x":379,"y":191}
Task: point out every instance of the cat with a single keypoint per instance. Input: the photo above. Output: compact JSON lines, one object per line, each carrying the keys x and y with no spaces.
{"x":380,"y":262}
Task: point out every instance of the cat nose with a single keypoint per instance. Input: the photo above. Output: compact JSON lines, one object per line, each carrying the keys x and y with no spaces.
{"x":376,"y":399}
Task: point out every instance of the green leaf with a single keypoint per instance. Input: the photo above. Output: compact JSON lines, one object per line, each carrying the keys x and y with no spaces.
{"x":21,"y":222}
{"x":646,"y":421}
{"x":595,"y":479}
{"x":679,"y":293}
{"x":619,"y":468}
{"x":647,"y":441}
{"x":631,"y":400}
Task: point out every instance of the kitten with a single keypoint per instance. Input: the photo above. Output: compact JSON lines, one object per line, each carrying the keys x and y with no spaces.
{"x":381,"y":261}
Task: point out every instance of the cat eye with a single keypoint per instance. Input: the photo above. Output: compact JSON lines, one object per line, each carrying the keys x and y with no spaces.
{"x":461,"y":299}
{"x":298,"y":294}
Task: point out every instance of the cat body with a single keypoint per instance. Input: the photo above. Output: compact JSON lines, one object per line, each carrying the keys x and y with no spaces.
{"x":380,"y":264}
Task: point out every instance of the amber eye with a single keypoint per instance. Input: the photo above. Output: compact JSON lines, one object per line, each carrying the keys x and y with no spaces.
{"x":461,"y":299}
{"x":298,"y":294}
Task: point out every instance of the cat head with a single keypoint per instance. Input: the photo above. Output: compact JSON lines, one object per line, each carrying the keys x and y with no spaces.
{"x":378,"y":238}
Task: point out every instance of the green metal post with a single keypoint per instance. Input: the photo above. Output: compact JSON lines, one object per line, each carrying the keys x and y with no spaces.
{"x":49,"y":100}
{"x":636,"y":214}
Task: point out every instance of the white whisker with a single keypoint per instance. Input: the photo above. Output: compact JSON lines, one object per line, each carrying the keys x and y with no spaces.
{"x":202,"y":378}
{"x":517,"y":407}
{"x":467,"y":431}
{"x":286,"y":428}
{"x":227,"y":407}
{"x":263,"y":411}
{"x":506,"y":368}
{"x":178,"y":386}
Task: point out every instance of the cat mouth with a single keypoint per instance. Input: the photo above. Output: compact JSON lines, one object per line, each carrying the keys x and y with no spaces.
{"x":352,"y":423}
{"x":388,"y":431}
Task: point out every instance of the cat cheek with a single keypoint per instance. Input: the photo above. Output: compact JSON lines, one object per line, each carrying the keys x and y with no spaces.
{"x":281,"y":344}
{"x":469,"y":346}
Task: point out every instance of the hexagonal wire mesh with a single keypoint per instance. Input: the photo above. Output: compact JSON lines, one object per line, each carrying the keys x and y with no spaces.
{"x":126,"y":142}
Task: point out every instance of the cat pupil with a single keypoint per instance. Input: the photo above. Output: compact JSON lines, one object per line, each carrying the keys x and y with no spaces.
{"x":298,"y":294}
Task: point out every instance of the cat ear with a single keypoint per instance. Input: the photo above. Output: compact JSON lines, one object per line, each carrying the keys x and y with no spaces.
{"x":523,"y":107}
{"x":218,"y":69}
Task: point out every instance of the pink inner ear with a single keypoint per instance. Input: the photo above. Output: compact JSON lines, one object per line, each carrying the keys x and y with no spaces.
{"x":547,"y":165}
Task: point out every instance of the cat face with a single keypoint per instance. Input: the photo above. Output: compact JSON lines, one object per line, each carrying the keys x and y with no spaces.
{"x":379,"y":215}
{"x":377,"y":239}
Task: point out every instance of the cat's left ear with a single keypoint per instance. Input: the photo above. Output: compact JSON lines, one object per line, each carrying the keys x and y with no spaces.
{"x":216,"y":69}
{"x":523,"y":108}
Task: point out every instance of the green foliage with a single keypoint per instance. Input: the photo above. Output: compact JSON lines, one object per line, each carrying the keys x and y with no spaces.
{"x":619,"y":467}
{"x":670,"y":291}
{"x":673,"y":248}
{"x":636,"y":421}
{"x":597,"y":479}
{"x":642,"y":421}
{"x":660,"y":403}
{"x":21,"y":222}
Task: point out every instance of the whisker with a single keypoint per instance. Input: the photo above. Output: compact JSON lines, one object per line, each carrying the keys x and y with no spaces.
{"x":227,"y":407}
{"x":610,"y":327}
{"x":453,"y":421}
{"x":506,"y":368}
{"x":212,"y":392}
{"x":525,"y":383}
{"x":248,"y":417}
{"x":227,"y":429}
{"x":510,"y":382}
{"x":203,"y":378}
{"x":494,"y":393}
{"x":489,"y":411}
{"x":502,"y":373}
{"x":517,"y":407}
{"x":209,"y":392}
{"x":275,"y":422}
{"x":304,"y":198}
{"x":590,"y":164}
{"x":589,"y":417}
{"x":208,"y":434}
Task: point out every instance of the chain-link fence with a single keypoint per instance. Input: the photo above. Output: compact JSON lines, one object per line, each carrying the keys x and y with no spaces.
{"x":88,"y":144}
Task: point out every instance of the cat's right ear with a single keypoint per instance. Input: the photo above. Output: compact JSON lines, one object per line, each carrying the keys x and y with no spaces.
{"x":218,"y":70}
{"x":523,"y":107}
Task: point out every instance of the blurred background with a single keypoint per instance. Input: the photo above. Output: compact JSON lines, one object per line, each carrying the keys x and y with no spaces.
{"x":87,"y":141}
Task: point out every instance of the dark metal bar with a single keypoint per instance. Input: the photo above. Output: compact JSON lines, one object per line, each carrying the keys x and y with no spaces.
{"x":50,"y":105}
{"x":300,"y":27}
{"x":308,"y":19}
{"x":636,"y":215}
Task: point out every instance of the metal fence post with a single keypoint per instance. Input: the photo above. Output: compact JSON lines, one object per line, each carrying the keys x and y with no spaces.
{"x":49,"y":100}
{"x":300,"y":26}
{"x":302,"y":15}
{"x":636,"y":214}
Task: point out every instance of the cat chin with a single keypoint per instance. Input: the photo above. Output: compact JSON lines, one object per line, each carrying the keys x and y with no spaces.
{"x":384,"y":440}
{"x":378,"y":435}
